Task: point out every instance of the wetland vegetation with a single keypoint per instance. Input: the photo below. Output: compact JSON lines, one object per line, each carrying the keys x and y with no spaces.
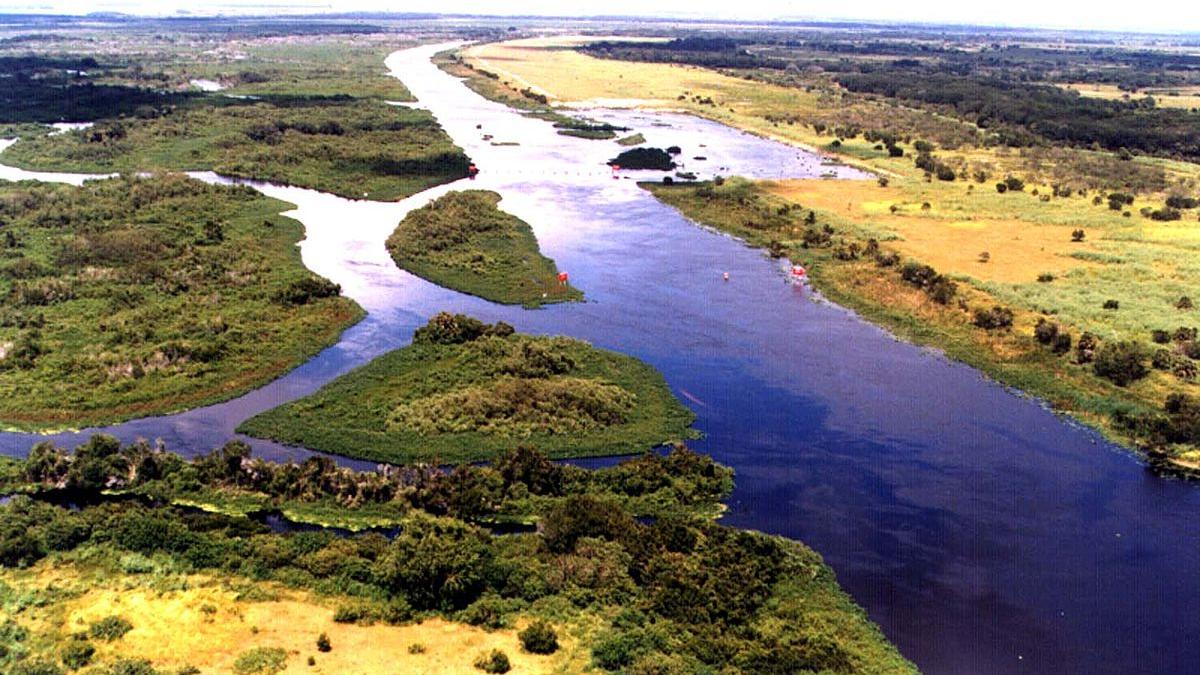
{"x":594,"y":587}
{"x":463,"y":241}
{"x":464,"y":390}
{"x":129,"y":297}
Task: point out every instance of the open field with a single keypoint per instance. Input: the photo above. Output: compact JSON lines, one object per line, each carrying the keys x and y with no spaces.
{"x":459,"y":395}
{"x":1187,"y":98}
{"x":463,"y":241}
{"x":182,"y":620}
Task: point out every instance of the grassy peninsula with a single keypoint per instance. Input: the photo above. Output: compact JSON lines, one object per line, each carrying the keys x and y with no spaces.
{"x":124,"y":585}
{"x":463,"y":241}
{"x":464,"y":391}
{"x":132,"y":296}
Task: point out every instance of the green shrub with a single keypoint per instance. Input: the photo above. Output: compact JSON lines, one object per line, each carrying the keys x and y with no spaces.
{"x":539,"y":638}
{"x":995,"y":318}
{"x":416,"y":648}
{"x":77,"y":653}
{"x":323,"y":644}
{"x":494,"y":661}
{"x":1121,"y":362}
{"x":260,"y":661}
{"x":110,"y":628}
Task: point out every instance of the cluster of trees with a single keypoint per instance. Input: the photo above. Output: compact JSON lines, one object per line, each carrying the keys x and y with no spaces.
{"x":695,"y":593}
{"x":655,"y":159}
{"x":1020,"y":113}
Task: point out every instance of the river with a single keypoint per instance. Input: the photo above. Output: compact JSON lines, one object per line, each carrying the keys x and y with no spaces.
{"x":982,"y":532}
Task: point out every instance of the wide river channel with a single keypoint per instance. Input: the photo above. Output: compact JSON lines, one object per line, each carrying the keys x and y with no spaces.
{"x":981,"y":531}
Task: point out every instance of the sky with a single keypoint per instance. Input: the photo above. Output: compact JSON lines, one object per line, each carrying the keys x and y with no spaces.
{"x":1173,"y":16}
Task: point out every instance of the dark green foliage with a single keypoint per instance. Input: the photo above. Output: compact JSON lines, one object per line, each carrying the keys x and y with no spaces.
{"x":1184,"y":303}
{"x":464,"y":241}
{"x":580,"y":516}
{"x":1112,"y":304}
{"x":1077,"y":235}
{"x":494,"y":661}
{"x":656,"y":159}
{"x":938,"y":287}
{"x":323,"y":644}
{"x":110,"y":628}
{"x":994,"y":319}
{"x":308,"y":289}
{"x":1085,"y":350}
{"x":1182,"y":202}
{"x":77,"y":653}
{"x":539,"y":638}
{"x":1121,"y":362}
{"x":436,"y":565}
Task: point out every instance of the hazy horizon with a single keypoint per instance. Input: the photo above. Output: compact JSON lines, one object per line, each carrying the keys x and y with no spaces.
{"x":1153,"y":16}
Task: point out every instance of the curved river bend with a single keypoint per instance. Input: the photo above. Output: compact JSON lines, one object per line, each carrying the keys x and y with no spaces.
{"x":982,"y":532}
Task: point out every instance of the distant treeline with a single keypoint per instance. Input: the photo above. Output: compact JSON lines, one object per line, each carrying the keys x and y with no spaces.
{"x":37,"y":89}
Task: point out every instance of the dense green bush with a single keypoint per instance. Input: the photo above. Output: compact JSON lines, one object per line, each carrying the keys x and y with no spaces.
{"x":539,"y":638}
{"x":110,"y":628}
{"x":494,"y":661}
{"x":644,"y":158}
{"x":994,"y":319}
{"x":1121,"y":362}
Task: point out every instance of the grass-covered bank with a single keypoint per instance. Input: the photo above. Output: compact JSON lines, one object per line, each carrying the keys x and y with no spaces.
{"x":463,"y":241}
{"x":121,"y":586}
{"x":858,"y":264}
{"x":464,"y":391}
{"x":131,"y":297}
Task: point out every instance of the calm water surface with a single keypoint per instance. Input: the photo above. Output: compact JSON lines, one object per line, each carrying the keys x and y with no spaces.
{"x":982,"y":532}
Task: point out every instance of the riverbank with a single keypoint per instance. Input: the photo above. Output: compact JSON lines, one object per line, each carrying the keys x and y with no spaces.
{"x":1046,"y":245}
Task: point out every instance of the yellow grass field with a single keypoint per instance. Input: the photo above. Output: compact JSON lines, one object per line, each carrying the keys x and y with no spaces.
{"x":201,"y":621}
{"x":1181,"y":97}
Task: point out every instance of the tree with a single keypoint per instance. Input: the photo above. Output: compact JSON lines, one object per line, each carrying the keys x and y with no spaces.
{"x":539,"y":638}
{"x":1121,"y":362}
{"x":436,"y":564}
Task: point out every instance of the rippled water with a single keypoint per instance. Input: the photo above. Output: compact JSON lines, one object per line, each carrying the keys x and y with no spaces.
{"x":983,"y":533}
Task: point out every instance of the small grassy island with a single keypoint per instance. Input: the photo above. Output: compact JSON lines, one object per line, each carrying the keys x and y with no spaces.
{"x":464,"y":390}
{"x":137,"y":580}
{"x":463,"y":241}
{"x":132,"y":296}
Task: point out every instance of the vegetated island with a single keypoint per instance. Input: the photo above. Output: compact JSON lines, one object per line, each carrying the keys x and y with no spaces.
{"x":137,"y":296}
{"x":464,"y":242}
{"x":465,"y":390}
{"x":655,"y":159}
{"x":101,"y":569}
{"x":303,"y":121}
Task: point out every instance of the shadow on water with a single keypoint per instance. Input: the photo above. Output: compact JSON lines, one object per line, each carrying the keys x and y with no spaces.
{"x":983,"y":533}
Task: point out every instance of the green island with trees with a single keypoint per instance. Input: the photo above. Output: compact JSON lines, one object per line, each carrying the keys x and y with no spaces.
{"x":595,"y":586}
{"x":465,"y":390}
{"x":137,"y":296}
{"x":463,"y":241}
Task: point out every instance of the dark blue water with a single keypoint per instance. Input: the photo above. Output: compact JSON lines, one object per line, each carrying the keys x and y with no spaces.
{"x":983,"y":533}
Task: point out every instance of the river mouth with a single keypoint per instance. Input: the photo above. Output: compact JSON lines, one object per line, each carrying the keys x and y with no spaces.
{"x":984,"y":533}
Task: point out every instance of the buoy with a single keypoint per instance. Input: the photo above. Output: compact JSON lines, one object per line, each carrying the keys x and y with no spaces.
{"x":615,"y":169}
{"x":798,"y":272}
{"x":726,"y":275}
{"x":472,"y":171}
{"x":563,"y":277}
